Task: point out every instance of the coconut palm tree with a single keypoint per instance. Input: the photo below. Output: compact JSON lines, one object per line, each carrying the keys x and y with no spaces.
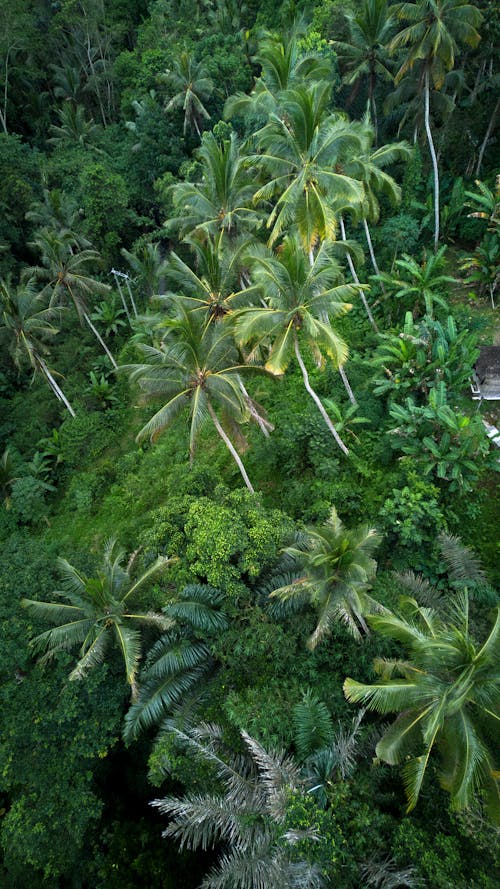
{"x":447,"y":696}
{"x":301,"y":147}
{"x":192,"y":87}
{"x":365,"y":53}
{"x":333,"y":569}
{"x":100,"y":613}
{"x":25,"y":325}
{"x":214,"y":285}
{"x":148,"y":268}
{"x":195,"y":367}
{"x":64,"y":269}
{"x":247,"y":815}
{"x":299,"y":297}
{"x":431,"y":39}
{"x":369,"y":166}
{"x":222,"y":200}
{"x":283,"y":66}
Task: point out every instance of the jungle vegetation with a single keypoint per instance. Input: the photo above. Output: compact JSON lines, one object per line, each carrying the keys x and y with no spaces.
{"x":249,"y":256}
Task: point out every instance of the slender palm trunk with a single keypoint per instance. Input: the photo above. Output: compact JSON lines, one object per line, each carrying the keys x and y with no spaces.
{"x":58,"y":392}
{"x":356,"y":279}
{"x":236,"y":457}
{"x":100,"y":339}
{"x":316,"y":398}
{"x":265,"y":426}
{"x":370,"y":248}
{"x":343,"y":375}
{"x":347,"y":385}
{"x":485,"y":141}
{"x":433,"y":157}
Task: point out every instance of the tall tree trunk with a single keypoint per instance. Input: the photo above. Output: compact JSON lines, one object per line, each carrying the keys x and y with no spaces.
{"x":234,"y":453}
{"x":99,"y":337}
{"x":325,"y":319}
{"x":347,"y":385}
{"x":356,"y":279}
{"x":371,"y":96}
{"x":371,"y":250}
{"x":58,"y":392}
{"x":265,"y":426}
{"x":316,"y":397}
{"x":3,"y":113}
{"x":491,"y":127}
{"x":433,"y":157}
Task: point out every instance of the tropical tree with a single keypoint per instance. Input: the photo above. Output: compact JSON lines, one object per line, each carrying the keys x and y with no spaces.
{"x":74,"y":128}
{"x":445,"y":691}
{"x":191,"y":87}
{"x":248,"y":815}
{"x":196,"y":367}
{"x":301,"y":147}
{"x":64,"y":269}
{"x":222,"y":200}
{"x":299,"y":297}
{"x":180,"y":663}
{"x":431,"y":39}
{"x":60,"y":213}
{"x":7,"y":476}
{"x":214,"y":285}
{"x":419,"y":286}
{"x":148,"y":268}
{"x":25,"y":325}
{"x":369,"y":166}
{"x":100,"y":613}
{"x":333,"y":569}
{"x":365,"y":53}
{"x":283,"y":67}
{"x":422,"y":355}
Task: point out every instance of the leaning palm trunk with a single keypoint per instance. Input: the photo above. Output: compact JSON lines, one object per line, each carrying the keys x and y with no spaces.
{"x":434,"y":159}
{"x":343,"y":375}
{"x":316,"y":398}
{"x":486,"y":139}
{"x":265,"y":426}
{"x":100,"y":339}
{"x":347,"y":385}
{"x":58,"y":392}
{"x":356,"y":279}
{"x":372,"y":252}
{"x":230,"y":447}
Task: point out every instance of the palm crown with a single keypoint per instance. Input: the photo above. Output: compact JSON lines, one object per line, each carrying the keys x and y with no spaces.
{"x":335,"y":570}
{"x":446,"y":692}
{"x":100,"y":613}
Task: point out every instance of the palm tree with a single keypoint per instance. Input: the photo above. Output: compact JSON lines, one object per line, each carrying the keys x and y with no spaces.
{"x":446,"y":693}
{"x":300,"y":149}
{"x":194,"y":367}
{"x":334,"y":569}
{"x":180,"y":663}
{"x":222,"y":200}
{"x":25,"y":324}
{"x":369,"y":166}
{"x":283,"y":67}
{"x":64,"y":270}
{"x":148,"y":268}
{"x":434,"y":30}
{"x":214,"y":285}
{"x":191,"y":87}
{"x":365,"y":54}
{"x":248,"y":816}
{"x":419,"y":283}
{"x":74,"y":128}
{"x":59,"y":212}
{"x":299,"y":297}
{"x":98,"y":614}
{"x":7,"y":477}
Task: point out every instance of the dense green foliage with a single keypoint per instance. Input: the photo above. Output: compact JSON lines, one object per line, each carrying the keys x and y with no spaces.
{"x":248,"y":261}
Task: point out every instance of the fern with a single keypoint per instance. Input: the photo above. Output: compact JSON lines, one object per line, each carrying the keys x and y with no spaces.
{"x":312,"y":725}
